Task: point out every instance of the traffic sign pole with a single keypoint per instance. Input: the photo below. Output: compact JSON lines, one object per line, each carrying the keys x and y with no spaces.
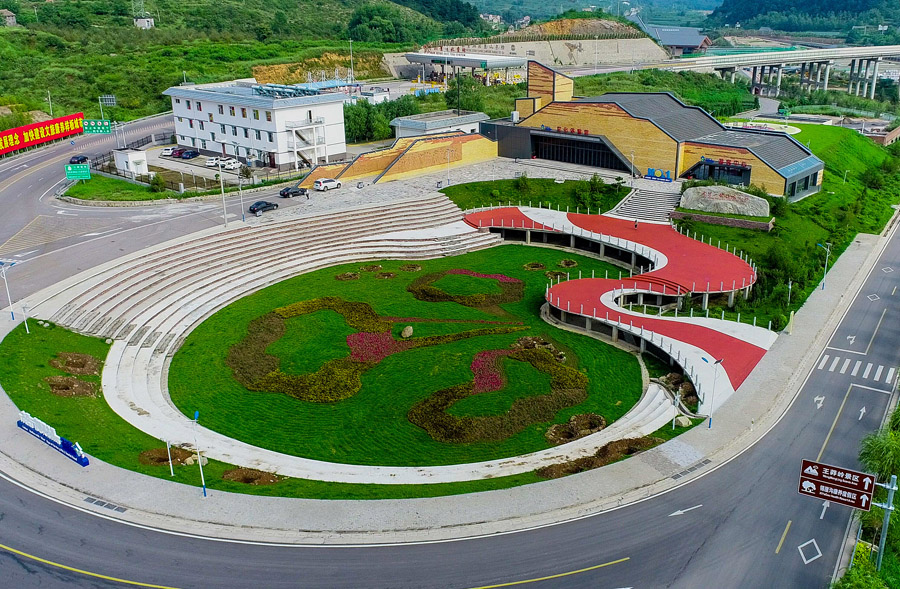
{"x":888,"y":508}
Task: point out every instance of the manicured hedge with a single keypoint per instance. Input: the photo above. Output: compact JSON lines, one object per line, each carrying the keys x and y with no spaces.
{"x":511,"y":290}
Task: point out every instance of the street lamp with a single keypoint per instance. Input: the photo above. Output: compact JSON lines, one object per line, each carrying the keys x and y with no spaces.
{"x":222,"y":187}
{"x":712,"y":394}
{"x":632,"y":169}
{"x":449,"y":149}
{"x":845,"y":176}
{"x":827,"y":248}
{"x":197,"y":447}
{"x":241,"y":196}
{"x":4,"y":266}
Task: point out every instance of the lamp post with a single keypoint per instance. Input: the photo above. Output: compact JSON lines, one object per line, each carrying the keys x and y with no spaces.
{"x":845,"y":176}
{"x":4,"y":266}
{"x":448,"y":165}
{"x":595,"y":54}
{"x":712,"y":395}
{"x":241,"y":196}
{"x":827,"y":248}
{"x":632,"y":169}
{"x":619,"y":6}
{"x":351,"y":65}
{"x":222,"y":187}
{"x":197,"y":447}
{"x":50,"y":101}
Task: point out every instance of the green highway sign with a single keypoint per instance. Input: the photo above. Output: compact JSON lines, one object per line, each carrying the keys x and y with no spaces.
{"x":78,"y":172}
{"x":97,"y":126}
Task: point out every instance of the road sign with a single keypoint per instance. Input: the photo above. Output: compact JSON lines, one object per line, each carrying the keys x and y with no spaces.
{"x":97,"y":126}
{"x":78,"y":172}
{"x":836,"y":484}
{"x":108,"y":100}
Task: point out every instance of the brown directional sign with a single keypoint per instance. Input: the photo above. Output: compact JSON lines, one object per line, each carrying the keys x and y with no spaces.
{"x":834,"y":483}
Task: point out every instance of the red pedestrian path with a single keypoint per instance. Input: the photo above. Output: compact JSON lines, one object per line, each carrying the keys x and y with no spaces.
{"x":691,"y":266}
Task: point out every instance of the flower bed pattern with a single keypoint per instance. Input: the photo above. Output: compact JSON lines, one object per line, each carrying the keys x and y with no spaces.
{"x":511,"y":290}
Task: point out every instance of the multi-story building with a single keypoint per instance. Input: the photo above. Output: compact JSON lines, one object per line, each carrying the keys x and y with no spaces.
{"x":267,"y":125}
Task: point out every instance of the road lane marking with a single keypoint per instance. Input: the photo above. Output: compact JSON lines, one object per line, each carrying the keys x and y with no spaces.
{"x":859,"y":386}
{"x":824,"y":360}
{"x":846,"y":364}
{"x":878,"y":373}
{"x":783,"y":536}
{"x":557,"y":576}
{"x":890,"y":376}
{"x":874,"y":333}
{"x":867,"y":370}
{"x":856,"y":367}
{"x":834,"y":364}
{"x":82,"y":572}
{"x":834,"y":423}
{"x":818,"y":553}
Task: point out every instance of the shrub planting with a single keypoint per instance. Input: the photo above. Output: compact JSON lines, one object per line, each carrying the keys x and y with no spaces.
{"x":511,"y":290}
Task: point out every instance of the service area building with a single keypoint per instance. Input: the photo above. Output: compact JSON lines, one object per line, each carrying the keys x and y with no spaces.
{"x":442,"y":121}
{"x":276,"y":126}
{"x":653,"y":135}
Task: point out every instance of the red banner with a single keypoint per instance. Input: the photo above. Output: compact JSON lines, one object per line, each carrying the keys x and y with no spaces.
{"x":37,"y":133}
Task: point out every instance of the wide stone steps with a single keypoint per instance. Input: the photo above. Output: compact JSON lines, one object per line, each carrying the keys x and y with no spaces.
{"x":648,"y":205}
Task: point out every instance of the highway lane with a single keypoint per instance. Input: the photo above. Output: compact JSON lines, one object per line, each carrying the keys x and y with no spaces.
{"x":743,"y":525}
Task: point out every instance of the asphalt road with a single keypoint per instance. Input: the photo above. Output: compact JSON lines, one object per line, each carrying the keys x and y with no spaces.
{"x":743,"y":523}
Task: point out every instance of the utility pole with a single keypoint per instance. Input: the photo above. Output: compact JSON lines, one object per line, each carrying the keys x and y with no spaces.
{"x":827,"y":248}
{"x":351,"y":63}
{"x":50,"y":101}
{"x":100,"y":102}
{"x":888,"y":508}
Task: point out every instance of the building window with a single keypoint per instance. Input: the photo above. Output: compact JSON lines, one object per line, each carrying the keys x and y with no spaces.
{"x":268,"y":116}
{"x":193,"y":142}
{"x":203,"y":144}
{"x":234,"y":130}
{"x":210,"y":117}
{"x":177,"y":101}
{"x":257,"y":134}
{"x":271,"y":138}
{"x":191,"y":123}
{"x":243,"y":113}
{"x":201,"y":125}
{"x":222,"y":128}
{"x":179,"y":119}
{"x":255,"y":114}
{"x":231,"y":110}
{"x":309,"y":116}
{"x":212,"y":136}
{"x":199,"y":106}
{"x":246,"y":133}
{"x":181,"y":137}
{"x":188,"y":103}
{"x":221,"y":110}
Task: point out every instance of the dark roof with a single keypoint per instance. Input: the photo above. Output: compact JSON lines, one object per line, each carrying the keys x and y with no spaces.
{"x":682,"y":123}
{"x":670,"y":36}
{"x":776,"y":149}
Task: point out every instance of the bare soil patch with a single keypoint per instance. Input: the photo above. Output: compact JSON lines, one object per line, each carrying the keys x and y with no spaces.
{"x":534,"y":266}
{"x":410,"y":268}
{"x":347,"y":276}
{"x":578,"y":426}
{"x":76,"y":363}
{"x":555,"y":275}
{"x":385,"y":275}
{"x":608,"y":454}
{"x":159,"y":456}
{"x":250,"y":476}
{"x":370,"y":268}
{"x":567,"y":263}
{"x":69,"y":386}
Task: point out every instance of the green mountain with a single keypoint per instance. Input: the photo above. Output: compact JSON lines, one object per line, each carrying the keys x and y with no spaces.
{"x":794,"y":15}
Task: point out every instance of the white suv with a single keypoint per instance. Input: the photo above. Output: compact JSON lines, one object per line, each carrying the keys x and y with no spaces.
{"x":326,"y":184}
{"x":212,"y":162}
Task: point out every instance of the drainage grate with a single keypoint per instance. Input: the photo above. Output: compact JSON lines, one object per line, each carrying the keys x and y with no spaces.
{"x":100,"y":503}
{"x":691,"y":469}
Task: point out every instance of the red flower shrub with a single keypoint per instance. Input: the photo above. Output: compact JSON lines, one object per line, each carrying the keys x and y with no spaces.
{"x":487,"y":372}
{"x":374,"y":347}
{"x":497,"y":277}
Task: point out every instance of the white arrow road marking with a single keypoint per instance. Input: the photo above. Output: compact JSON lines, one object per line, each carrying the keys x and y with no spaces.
{"x":851,"y":339}
{"x":683,"y":511}
{"x":861,"y":413}
{"x":819,"y":402}
{"x":824,"y":507}
{"x":23,"y":254}
{"x":67,"y":213}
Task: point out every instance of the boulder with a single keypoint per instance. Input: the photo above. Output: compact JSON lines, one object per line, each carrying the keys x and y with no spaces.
{"x":682,"y":421}
{"x":722,"y":199}
{"x":407,"y":331}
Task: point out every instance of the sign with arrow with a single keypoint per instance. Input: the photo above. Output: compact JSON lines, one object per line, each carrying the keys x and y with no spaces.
{"x":836,"y":484}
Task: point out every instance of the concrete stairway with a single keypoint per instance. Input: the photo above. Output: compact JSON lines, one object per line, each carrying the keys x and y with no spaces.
{"x":647,"y":205}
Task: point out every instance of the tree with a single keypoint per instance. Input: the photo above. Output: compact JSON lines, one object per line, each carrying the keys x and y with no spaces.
{"x":469,"y":93}
{"x":879,"y":452}
{"x":157,"y":183}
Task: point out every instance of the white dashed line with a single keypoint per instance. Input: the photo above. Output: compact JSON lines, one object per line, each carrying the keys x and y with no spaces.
{"x":890,"y":376}
{"x":824,"y":360}
{"x":846,"y":364}
{"x":856,"y":367}
{"x":878,"y":372}
{"x":867,"y":370}
{"x":834,"y":364}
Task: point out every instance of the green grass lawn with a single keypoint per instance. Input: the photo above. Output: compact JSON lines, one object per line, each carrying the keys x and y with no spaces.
{"x":539,"y":192}
{"x":371,"y":427}
{"x":103,"y":188}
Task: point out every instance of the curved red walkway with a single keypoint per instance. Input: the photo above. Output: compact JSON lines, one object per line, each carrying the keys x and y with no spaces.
{"x":691,"y":266}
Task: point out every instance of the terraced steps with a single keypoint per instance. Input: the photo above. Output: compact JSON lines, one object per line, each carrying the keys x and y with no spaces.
{"x":648,"y":205}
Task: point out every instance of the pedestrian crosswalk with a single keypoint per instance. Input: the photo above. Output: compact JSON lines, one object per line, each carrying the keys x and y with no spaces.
{"x":855,"y":367}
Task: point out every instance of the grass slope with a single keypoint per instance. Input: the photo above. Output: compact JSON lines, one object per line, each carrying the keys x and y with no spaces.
{"x":372,"y":426}
{"x":539,"y":190}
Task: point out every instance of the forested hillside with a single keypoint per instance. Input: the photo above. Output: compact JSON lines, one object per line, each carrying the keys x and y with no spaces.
{"x":807,"y":15}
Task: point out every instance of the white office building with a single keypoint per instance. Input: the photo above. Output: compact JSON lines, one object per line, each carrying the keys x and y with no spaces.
{"x":266,"y":125}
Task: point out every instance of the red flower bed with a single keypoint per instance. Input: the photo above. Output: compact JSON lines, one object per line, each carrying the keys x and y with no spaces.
{"x":486,"y":369}
{"x":430,"y":320}
{"x":497,"y":277}
{"x":374,"y":347}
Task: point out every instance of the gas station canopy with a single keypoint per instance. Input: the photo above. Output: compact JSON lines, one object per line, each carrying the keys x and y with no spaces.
{"x":467,"y":60}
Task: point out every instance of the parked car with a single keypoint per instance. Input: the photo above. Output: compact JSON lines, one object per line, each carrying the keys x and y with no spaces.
{"x":212,"y":162}
{"x":167,"y":151}
{"x":178,"y":151}
{"x":292,"y":191}
{"x":189,"y":154}
{"x":326,"y":184}
{"x":78,"y":159}
{"x":260,"y":206}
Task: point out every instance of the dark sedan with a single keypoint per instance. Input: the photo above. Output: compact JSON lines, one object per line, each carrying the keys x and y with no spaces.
{"x":78,"y":159}
{"x":190,"y":154}
{"x":292,"y":191}
{"x":261,"y":206}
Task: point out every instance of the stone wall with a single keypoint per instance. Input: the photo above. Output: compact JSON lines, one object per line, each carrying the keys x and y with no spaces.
{"x":726,"y":221}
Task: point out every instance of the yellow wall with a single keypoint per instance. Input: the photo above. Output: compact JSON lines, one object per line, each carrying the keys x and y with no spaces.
{"x":540,"y":81}
{"x":652,"y":148}
{"x":564,"y":88}
{"x":760,"y":173}
{"x":374,"y":162}
{"x":430,"y":155}
{"x":527,"y":106}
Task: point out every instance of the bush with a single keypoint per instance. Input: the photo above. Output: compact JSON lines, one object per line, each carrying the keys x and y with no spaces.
{"x":511,"y":290}
{"x":157,"y":183}
{"x":521,"y":183}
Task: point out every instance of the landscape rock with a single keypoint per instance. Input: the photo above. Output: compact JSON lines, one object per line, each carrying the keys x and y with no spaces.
{"x":407,"y":331}
{"x":682,"y":421}
{"x":722,"y":199}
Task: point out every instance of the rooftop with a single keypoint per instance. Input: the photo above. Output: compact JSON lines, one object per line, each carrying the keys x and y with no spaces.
{"x":435,"y":120}
{"x":478,"y":60}
{"x":242,"y":93}
{"x":672,"y":36}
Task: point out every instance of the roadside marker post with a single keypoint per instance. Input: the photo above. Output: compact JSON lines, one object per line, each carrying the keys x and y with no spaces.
{"x":197,"y":447}
{"x":4,"y":266}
